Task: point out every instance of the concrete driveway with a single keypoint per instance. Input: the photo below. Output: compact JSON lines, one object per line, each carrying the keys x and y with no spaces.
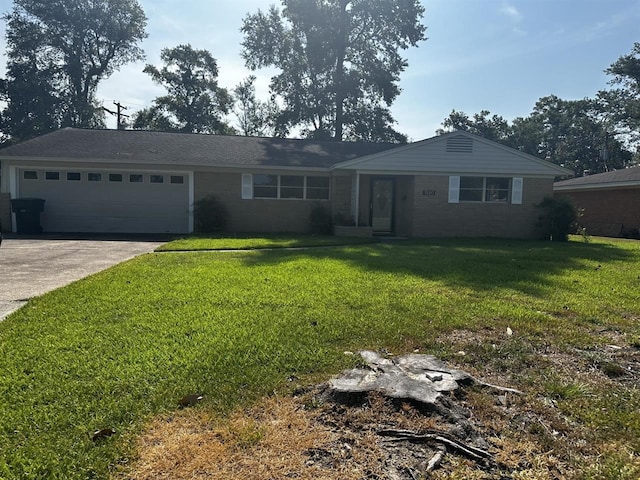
{"x":30,"y":267}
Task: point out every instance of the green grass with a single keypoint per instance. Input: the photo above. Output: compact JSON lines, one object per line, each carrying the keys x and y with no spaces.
{"x":116,"y":348}
{"x":260,"y":241}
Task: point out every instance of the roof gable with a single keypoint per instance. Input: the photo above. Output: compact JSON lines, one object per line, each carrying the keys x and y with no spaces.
{"x":456,"y":152}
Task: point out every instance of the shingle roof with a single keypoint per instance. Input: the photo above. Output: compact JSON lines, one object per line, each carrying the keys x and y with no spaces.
{"x":188,"y":149}
{"x":623,"y":177}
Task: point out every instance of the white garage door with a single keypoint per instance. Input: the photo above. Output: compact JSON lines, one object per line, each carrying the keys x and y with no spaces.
{"x":109,"y":201}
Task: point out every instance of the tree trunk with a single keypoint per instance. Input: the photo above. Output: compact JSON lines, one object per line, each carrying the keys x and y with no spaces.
{"x":341,"y":48}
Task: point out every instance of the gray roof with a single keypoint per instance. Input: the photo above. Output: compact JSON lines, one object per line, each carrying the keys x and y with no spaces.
{"x":618,"y":178}
{"x":143,"y":147}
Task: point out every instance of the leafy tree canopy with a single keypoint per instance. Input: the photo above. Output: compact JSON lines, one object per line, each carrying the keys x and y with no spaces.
{"x":622,"y":104}
{"x":483,"y":124}
{"x":58,"y":52}
{"x":194,"y":102}
{"x":255,"y":117}
{"x":339,"y":63}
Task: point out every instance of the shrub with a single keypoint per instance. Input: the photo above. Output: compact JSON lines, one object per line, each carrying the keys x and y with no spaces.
{"x":210,"y":215}
{"x":558,"y":219}
{"x":320,"y":221}
{"x":343,"y":220}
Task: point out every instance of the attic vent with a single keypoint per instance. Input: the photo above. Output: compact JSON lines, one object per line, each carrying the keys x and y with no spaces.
{"x":460,"y":145}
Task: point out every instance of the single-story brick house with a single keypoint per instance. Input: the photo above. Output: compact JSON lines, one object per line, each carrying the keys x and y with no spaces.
{"x":610,"y":202}
{"x":456,"y":184}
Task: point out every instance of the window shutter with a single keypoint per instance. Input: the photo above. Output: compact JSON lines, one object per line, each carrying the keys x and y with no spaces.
{"x":454,"y":189}
{"x":516,"y":191}
{"x":247,"y":186}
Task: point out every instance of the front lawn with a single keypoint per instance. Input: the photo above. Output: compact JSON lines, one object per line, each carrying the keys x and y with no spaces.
{"x":124,"y":345}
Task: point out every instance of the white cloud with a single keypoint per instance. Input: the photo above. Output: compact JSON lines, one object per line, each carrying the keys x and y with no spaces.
{"x":511,"y":12}
{"x":515,"y":17}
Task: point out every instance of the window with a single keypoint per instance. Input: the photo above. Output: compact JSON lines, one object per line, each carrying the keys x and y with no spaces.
{"x":30,"y":175}
{"x":471,"y":189}
{"x":52,"y":175}
{"x":179,"y":179}
{"x":297,"y":187}
{"x":94,"y":177}
{"x":156,"y":179}
{"x":291,"y":186}
{"x":115,"y":177}
{"x":497,"y":189}
{"x":318,"y":188}
{"x":485,"y":189}
{"x":135,"y":178}
{"x":265,"y":186}
{"x":73,"y":176}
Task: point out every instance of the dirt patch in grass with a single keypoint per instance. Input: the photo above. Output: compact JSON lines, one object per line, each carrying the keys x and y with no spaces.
{"x":552,"y":431}
{"x":277,"y":438}
{"x":304,"y":437}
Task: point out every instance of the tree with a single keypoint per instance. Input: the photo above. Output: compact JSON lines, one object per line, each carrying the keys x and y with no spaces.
{"x":255,"y":118}
{"x":338,"y":60}
{"x":571,"y":134}
{"x":493,"y":127}
{"x":623,"y":104}
{"x":33,"y":106}
{"x":194,"y":102}
{"x":58,"y":52}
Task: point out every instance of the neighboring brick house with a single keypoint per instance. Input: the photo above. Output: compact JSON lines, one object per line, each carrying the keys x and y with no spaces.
{"x":456,"y":184}
{"x":609,"y":202}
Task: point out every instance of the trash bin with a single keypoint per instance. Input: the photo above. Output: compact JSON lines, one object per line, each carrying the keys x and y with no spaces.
{"x":27,"y":212}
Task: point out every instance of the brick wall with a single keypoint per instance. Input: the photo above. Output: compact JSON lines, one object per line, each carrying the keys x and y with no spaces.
{"x":433,"y":216}
{"x":421,"y":208}
{"x":259,"y":215}
{"x":5,"y":212}
{"x":606,"y":211}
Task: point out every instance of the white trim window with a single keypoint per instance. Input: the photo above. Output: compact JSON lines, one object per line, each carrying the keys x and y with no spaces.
{"x":317,"y":188}
{"x":485,"y":189}
{"x":265,"y":186}
{"x":285,"y":187}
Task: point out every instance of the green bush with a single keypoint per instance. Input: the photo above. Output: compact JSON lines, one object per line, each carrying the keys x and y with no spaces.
{"x":210,"y":215}
{"x":558,"y":219}
{"x":320,"y":220}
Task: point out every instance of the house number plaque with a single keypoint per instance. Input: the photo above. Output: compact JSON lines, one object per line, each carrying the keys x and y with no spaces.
{"x":429,"y":193}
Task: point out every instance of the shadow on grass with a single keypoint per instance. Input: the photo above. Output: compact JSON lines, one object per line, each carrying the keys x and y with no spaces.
{"x":483,"y":265}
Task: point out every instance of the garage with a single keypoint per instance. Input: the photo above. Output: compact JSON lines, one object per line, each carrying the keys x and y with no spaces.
{"x":109,"y":200}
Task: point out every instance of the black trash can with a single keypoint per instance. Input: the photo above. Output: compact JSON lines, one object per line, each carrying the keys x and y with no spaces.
{"x":27,"y":212}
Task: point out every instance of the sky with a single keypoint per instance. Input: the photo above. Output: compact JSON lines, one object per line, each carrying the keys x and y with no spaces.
{"x":496,"y":55}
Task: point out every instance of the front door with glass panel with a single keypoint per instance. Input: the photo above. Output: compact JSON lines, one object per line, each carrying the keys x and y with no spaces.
{"x":382,"y":205}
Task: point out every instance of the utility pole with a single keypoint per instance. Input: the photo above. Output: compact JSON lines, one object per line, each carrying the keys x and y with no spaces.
{"x":118,"y":113}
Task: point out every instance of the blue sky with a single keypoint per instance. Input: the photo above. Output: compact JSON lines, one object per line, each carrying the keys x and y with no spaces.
{"x":498,"y":55}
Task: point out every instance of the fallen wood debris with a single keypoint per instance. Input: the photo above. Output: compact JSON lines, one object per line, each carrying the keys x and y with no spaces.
{"x":468,"y":450}
{"x":434,"y":462}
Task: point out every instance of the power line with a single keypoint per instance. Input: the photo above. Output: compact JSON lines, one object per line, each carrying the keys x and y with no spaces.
{"x":118,"y":113}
